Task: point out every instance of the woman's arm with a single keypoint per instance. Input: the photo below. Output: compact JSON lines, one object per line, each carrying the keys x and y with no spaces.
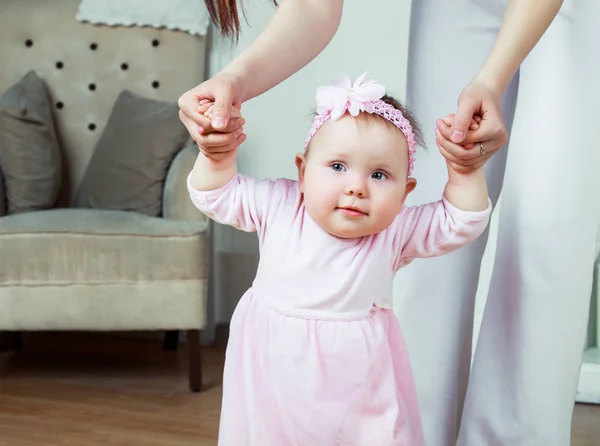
{"x":298,"y":32}
{"x":523,"y":25}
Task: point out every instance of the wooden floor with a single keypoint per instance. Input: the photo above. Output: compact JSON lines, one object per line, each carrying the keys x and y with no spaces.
{"x":88,"y":390}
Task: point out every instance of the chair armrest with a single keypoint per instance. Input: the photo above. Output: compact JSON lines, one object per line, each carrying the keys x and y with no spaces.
{"x":2,"y":195}
{"x":176,"y":199}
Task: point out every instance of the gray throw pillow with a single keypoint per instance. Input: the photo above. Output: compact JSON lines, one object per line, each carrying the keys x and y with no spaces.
{"x":30,"y":155}
{"x":129,"y":165}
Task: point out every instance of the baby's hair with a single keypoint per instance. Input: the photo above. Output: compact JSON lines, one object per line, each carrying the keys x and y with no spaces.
{"x":225,"y":15}
{"x":408,"y":114}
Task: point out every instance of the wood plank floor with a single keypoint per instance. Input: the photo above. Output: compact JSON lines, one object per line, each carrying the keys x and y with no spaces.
{"x":87,"y":390}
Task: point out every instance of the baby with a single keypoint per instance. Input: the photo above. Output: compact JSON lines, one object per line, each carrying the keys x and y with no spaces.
{"x":315,"y":355}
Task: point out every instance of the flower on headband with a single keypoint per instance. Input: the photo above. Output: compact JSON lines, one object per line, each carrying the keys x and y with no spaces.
{"x":342,"y":95}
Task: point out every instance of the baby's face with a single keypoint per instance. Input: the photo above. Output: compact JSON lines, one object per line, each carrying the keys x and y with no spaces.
{"x":354,"y":177}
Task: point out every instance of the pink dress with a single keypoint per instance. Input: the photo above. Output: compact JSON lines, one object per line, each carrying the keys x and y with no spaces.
{"x":315,"y":355}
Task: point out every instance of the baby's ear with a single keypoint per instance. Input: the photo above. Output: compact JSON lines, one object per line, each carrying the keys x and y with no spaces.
{"x":301,"y":166}
{"x":411,"y":184}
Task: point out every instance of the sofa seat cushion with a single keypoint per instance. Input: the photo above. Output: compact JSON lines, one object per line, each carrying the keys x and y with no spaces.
{"x":89,"y":246}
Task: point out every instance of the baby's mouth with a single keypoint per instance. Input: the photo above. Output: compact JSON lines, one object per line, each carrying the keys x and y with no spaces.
{"x":352,"y":211}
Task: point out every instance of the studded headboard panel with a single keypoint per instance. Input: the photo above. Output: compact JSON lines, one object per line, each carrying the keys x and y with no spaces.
{"x":86,"y":67}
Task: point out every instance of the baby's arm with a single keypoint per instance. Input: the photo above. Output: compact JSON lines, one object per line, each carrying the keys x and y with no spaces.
{"x":466,"y":191}
{"x":226,"y":197}
{"x":209,"y":174}
{"x":435,"y":229}
{"x":438,"y":228}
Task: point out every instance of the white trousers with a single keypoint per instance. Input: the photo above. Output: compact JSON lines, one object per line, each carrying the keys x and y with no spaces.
{"x":523,"y":382}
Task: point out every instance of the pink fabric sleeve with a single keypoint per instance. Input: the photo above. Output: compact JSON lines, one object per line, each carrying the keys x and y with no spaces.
{"x":435,"y":229}
{"x":242,"y":202}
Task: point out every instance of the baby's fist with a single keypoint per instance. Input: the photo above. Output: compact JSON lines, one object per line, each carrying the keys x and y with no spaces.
{"x":206,"y":108}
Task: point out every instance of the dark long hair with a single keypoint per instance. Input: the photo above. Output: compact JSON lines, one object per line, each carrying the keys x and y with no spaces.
{"x":226,"y":16}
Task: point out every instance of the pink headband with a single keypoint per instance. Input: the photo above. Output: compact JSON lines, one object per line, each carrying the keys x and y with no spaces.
{"x":363,"y":95}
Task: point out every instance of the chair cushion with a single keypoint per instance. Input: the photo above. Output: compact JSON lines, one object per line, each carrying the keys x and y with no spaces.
{"x":85,"y":246}
{"x":30,"y":156}
{"x":129,"y":165}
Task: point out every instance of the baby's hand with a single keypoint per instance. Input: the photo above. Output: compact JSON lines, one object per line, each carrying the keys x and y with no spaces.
{"x":206,"y":108}
{"x":223,"y":144}
{"x":474,"y":122}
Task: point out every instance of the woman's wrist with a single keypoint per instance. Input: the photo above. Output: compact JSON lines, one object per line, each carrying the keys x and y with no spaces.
{"x":493,"y":79}
{"x":236,"y":76}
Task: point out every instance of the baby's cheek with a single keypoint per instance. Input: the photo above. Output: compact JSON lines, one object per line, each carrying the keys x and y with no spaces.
{"x":321,"y":183}
{"x":389,"y":200}
{"x":383,"y":217}
{"x":321,"y":189}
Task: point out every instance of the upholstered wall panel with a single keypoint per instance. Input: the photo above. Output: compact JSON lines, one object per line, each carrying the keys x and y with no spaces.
{"x":87,"y":66}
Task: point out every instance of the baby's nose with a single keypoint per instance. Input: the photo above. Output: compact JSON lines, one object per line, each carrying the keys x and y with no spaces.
{"x":357,"y":188}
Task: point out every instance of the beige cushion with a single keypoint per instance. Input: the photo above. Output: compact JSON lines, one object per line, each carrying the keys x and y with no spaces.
{"x":70,"y":246}
{"x":176,"y":197}
{"x":29,"y":149}
{"x":130,"y":162}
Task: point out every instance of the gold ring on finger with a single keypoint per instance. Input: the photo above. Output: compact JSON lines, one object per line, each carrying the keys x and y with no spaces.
{"x":481,"y":149}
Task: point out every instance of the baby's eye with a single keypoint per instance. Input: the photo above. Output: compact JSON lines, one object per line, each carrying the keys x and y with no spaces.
{"x":338,"y":167}
{"x":379,"y":176}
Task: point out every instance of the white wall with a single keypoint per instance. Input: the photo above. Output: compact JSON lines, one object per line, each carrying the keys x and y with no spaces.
{"x":373,"y":39}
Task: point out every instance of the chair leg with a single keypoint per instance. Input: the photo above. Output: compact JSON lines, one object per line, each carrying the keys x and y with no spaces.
{"x":11,"y":341}
{"x":171,"y":341}
{"x":16,"y":341}
{"x":195,"y":360}
{"x":4,"y":342}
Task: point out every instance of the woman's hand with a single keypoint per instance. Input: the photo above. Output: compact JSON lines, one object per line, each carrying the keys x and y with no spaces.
{"x":220,"y":135}
{"x":234,"y":138}
{"x":448,"y":149}
{"x":473,"y":147}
